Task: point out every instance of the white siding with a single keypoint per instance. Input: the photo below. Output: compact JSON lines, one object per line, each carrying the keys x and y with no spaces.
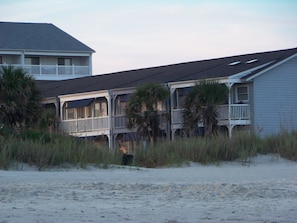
{"x":275,"y":99}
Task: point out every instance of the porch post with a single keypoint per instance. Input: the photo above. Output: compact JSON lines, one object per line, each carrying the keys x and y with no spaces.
{"x":23,"y":59}
{"x":58,"y":114}
{"x":110,"y":126}
{"x":171,"y":112}
{"x":230,"y":126}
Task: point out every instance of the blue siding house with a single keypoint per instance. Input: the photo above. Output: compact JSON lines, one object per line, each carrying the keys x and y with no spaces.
{"x":275,"y":97}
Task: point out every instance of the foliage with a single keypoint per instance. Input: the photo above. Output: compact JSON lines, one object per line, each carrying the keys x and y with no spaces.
{"x":43,"y":150}
{"x":201,"y":106}
{"x":214,"y":150}
{"x":19,"y":98}
{"x":143,"y":112}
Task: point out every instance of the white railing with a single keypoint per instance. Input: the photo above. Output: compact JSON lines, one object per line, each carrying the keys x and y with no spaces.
{"x":237,"y":112}
{"x":84,"y":125}
{"x":54,"y":70}
{"x":120,"y":121}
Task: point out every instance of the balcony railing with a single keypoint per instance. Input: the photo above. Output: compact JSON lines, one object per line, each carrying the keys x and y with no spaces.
{"x":120,"y":121}
{"x":85,"y":125}
{"x":237,"y":112}
{"x":54,"y":70}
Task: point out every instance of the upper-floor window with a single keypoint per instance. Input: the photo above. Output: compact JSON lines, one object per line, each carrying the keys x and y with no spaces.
{"x":100,"y":108}
{"x":122,"y":103}
{"x":242,"y":93}
{"x":64,"y":61}
{"x":32,"y":60}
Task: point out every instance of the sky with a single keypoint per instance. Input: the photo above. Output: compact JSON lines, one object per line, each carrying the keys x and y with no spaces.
{"x":133,"y":34}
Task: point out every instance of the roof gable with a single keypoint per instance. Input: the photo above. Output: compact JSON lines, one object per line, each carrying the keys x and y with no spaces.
{"x":39,"y":37}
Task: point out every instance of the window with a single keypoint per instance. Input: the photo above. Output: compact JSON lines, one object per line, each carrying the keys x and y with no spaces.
{"x":242,"y":94}
{"x":122,"y":103}
{"x":100,"y":108}
{"x":81,"y":112}
{"x":70,"y":113}
{"x":32,"y":60}
{"x":1,"y":60}
{"x":89,"y":111}
{"x":64,"y":61}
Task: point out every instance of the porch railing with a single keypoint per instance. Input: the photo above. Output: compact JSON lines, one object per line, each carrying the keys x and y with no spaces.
{"x":85,"y":125}
{"x":237,"y":112}
{"x":54,"y":70}
{"x":120,"y":121}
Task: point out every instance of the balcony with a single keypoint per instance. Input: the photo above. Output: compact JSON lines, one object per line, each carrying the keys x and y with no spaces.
{"x":54,"y":71}
{"x":239,"y":115}
{"x":87,"y":126}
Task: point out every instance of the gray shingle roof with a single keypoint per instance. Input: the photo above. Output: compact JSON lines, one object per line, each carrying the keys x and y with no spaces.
{"x":214,"y":68}
{"x":38,"y":36}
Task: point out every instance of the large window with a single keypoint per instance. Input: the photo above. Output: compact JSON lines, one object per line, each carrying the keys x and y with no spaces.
{"x":64,"y":61}
{"x":32,"y":60}
{"x":242,"y":93}
{"x":100,"y":108}
{"x":81,"y":112}
{"x":70,"y":113}
{"x":122,"y":103}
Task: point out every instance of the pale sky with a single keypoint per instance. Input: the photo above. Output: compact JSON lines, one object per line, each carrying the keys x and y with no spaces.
{"x":132,"y":34}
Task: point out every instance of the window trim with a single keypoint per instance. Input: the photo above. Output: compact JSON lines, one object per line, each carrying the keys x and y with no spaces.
{"x":236,"y":93}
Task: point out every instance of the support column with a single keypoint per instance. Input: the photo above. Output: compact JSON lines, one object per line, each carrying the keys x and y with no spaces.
{"x":230,"y":127}
{"x":58,"y":114}
{"x":23,"y":59}
{"x":110,"y":117}
{"x":171,"y":112}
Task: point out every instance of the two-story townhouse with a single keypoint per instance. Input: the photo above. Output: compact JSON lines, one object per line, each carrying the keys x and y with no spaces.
{"x":262,"y":95}
{"x":44,"y":51}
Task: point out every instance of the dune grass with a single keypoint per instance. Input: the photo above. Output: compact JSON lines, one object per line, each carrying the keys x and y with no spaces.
{"x":43,"y":149}
{"x":217,"y":149}
{"x":46,"y":150}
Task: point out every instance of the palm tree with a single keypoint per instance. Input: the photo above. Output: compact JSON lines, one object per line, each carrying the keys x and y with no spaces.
{"x":19,"y":98}
{"x":201,"y":106}
{"x":143,"y":112}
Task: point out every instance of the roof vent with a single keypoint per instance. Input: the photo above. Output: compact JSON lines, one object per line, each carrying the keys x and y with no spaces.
{"x":234,"y":63}
{"x":251,"y":61}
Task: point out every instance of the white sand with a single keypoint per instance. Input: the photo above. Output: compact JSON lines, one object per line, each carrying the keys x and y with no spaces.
{"x":263,"y":191}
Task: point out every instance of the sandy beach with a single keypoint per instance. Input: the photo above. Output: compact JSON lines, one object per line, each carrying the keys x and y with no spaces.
{"x":262,"y":190}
